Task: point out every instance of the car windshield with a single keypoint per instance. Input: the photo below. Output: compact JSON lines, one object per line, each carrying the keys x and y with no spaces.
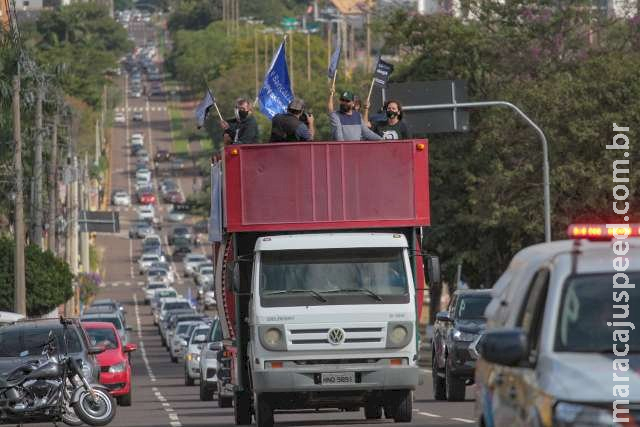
{"x":150,"y":258}
{"x":115,"y":321}
{"x":26,"y":340}
{"x":156,"y":285}
{"x":195,"y":258}
{"x":166,"y":294}
{"x":333,"y":276}
{"x":157,"y":272}
{"x":472,"y":307}
{"x":182,"y":328}
{"x":103,"y":337}
{"x":207,"y":271}
{"x":196,"y":333}
{"x":176,"y":305}
{"x":586,"y":309}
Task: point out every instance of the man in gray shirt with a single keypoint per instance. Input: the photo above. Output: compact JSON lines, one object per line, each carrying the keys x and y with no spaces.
{"x":347,"y":124}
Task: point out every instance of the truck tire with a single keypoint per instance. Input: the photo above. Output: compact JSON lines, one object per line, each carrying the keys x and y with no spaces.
{"x":224,"y":401}
{"x":242,"y":408}
{"x":206,"y":394}
{"x":403,"y":410}
{"x":439,"y":385}
{"x":455,"y":387}
{"x":372,"y":411}
{"x":263,"y":411}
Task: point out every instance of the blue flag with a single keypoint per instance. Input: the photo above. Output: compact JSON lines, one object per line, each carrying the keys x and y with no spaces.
{"x":275,"y":94}
{"x":203,"y":108}
{"x":335,"y":60}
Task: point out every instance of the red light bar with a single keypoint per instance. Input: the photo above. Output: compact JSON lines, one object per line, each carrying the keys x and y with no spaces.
{"x":600,"y":231}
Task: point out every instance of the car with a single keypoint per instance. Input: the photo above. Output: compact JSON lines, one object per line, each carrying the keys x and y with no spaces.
{"x":192,"y":260}
{"x":158,"y":275}
{"x":115,"y":368}
{"x":143,"y":173}
{"x":147,"y":212}
{"x":175,"y":196}
{"x":175,"y":216}
{"x":452,"y":361}
{"x":146,"y":197}
{"x":22,"y":341}
{"x":172,"y":323}
{"x":167,"y":185}
{"x":172,"y":306}
{"x":114,"y":319}
{"x":142,"y":183}
{"x":140,"y":229}
{"x":145,"y":261}
{"x":121,"y":198}
{"x":119,"y":118}
{"x":166,"y":266}
{"x":181,"y":246}
{"x":213,"y":379}
{"x":142,"y":156}
{"x":209,"y":298}
{"x":137,"y":139}
{"x":151,"y":288}
{"x":159,"y":295}
{"x":204,"y":278}
{"x":180,"y":339}
{"x":204,"y":265}
{"x":108,"y":302}
{"x":180,"y":232}
{"x":177,"y":164}
{"x":141,"y":163}
{"x":550,"y":348}
{"x":137,"y":116}
{"x":152,"y":240}
{"x":197,"y":340}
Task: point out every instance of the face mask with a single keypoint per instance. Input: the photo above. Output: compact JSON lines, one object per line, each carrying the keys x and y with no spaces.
{"x":345,"y":108}
{"x":392,"y":114}
{"x":242,"y":114}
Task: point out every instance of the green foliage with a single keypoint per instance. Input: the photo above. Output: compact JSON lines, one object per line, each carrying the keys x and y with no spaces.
{"x":88,"y":284}
{"x":194,"y":14}
{"x":48,"y":279}
{"x":486,"y":186}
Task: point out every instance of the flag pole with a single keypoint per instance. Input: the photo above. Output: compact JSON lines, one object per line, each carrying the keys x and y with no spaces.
{"x":215,"y":104}
{"x":366,"y":105}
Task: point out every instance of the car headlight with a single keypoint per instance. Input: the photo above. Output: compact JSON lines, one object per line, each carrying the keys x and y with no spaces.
{"x":463,"y":336}
{"x":272,"y":337}
{"x":573,"y":414}
{"x":193,"y":357}
{"x":117,"y":368}
{"x":399,"y":334}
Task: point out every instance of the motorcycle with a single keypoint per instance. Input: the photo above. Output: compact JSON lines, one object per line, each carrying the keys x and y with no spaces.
{"x":53,"y":389}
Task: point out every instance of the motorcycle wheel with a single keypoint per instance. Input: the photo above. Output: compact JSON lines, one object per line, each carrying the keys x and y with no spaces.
{"x":95,"y":413}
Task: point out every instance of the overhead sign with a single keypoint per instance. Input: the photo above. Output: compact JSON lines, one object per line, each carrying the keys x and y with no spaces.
{"x":99,"y":221}
{"x":423,"y":123}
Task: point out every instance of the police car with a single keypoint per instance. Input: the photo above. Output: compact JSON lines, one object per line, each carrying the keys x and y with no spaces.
{"x":562,"y":346}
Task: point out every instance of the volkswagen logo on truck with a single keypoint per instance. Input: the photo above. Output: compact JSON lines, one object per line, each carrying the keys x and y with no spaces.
{"x":336,"y":336}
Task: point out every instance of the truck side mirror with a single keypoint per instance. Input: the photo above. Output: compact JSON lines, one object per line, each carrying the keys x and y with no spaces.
{"x":433,"y":270}
{"x":235,"y":277}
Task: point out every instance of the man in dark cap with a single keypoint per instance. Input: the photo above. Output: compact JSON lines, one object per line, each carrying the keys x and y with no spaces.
{"x":347,"y":124}
{"x":288,"y":127}
{"x":243,"y":128}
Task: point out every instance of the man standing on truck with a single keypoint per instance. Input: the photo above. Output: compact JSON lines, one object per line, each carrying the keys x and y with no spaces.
{"x":347,"y":124}
{"x":243,"y":129}
{"x":289,"y":126}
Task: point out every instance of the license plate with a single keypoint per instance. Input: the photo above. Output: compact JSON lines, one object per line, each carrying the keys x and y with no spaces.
{"x":337,"y":378}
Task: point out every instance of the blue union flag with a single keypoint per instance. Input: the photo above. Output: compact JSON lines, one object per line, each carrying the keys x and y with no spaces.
{"x":275,"y":94}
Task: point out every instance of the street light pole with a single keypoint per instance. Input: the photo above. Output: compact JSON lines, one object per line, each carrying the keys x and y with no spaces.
{"x":543,"y":141}
{"x":20,"y":292}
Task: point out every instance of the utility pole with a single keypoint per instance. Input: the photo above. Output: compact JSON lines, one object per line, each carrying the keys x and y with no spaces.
{"x":291,"y":59}
{"x":266,"y":52}
{"x":329,"y":35}
{"x":36,"y":207}
{"x":368,"y":56}
{"x":20,"y":292}
{"x":308,"y":56}
{"x":97,"y":160}
{"x":237,"y":17}
{"x":74,"y":216}
{"x":53,"y":184}
{"x":255,"y":60}
{"x":84,"y":205}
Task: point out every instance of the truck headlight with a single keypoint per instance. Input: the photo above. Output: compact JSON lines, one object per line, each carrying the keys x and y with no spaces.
{"x":463,"y":336}
{"x":117,"y":368}
{"x":573,"y":414}
{"x":399,"y":334}
{"x":272,"y":337}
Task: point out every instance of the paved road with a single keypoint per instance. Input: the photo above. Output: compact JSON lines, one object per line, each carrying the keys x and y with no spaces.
{"x":160,"y":397}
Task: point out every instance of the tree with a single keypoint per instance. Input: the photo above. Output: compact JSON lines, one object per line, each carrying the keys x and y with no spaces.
{"x":48,"y":279}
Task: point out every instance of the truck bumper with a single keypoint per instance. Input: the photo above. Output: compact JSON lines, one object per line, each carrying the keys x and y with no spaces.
{"x":309,"y":379}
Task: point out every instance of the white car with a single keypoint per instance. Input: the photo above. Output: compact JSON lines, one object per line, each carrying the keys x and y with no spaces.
{"x":147,"y":212}
{"x":143,"y":183}
{"x":209,"y":299}
{"x":196,"y":342}
{"x":168,"y":267}
{"x":119,"y":118}
{"x":121,"y":198}
{"x":143,"y":173}
{"x":137,"y":139}
{"x":191,"y":261}
{"x":145,"y":261}
{"x":209,"y":383}
{"x":158,"y":275}
{"x":159,"y":296}
{"x":204,"y":278}
{"x":151,"y":288}
{"x":180,"y":339}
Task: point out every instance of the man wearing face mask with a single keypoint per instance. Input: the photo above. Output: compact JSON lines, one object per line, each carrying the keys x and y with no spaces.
{"x":347,"y":124}
{"x":243,"y":128}
{"x":393,"y":127}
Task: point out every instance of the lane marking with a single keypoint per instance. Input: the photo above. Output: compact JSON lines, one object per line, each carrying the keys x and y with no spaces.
{"x":143,"y":351}
{"x":426,"y":371}
{"x":429,"y":414}
{"x":463,"y":420}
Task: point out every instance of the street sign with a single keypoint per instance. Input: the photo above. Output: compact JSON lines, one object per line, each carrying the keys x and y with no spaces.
{"x":99,"y":221}
{"x":427,"y":93}
{"x":289,"y":23}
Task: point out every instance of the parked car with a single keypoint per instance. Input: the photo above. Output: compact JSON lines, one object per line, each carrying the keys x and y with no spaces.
{"x":22,"y":341}
{"x":115,"y":368}
{"x":114,"y":319}
{"x":121,"y":198}
{"x":137,"y":116}
{"x":453,"y":362}
{"x":197,"y":340}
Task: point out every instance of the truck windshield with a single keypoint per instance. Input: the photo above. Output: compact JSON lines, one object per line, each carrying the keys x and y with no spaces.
{"x":333,"y":276}
{"x":587,"y":306}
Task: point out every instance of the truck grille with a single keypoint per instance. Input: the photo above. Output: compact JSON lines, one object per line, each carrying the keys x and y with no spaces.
{"x":317,"y":338}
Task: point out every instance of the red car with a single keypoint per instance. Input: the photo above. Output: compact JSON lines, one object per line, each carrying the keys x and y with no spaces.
{"x":115,"y":368}
{"x":175,"y":197}
{"x":147,"y":198}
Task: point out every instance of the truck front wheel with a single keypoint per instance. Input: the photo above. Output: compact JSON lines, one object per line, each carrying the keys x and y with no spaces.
{"x":242,"y":408}
{"x":403,"y":406}
{"x":264,"y":411}
{"x":372,"y":411}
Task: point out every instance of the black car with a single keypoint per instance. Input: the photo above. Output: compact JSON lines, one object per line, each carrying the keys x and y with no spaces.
{"x":180,"y":232}
{"x":453,"y":362}
{"x":23,"y":341}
